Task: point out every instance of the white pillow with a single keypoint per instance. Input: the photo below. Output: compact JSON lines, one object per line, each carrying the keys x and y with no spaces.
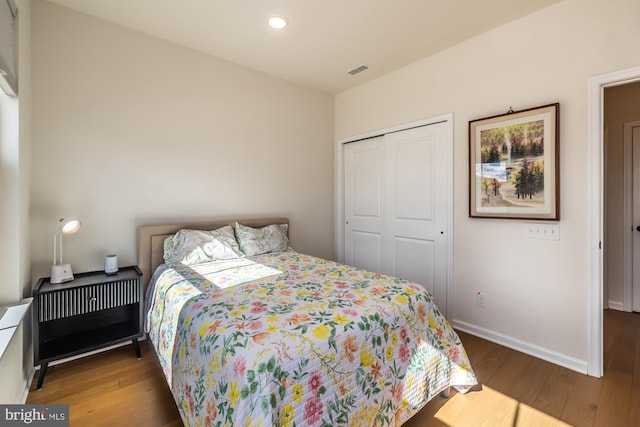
{"x":256,"y":241}
{"x":191,"y":247}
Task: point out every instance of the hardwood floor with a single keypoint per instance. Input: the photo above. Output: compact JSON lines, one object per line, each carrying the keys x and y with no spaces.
{"x":114,"y":388}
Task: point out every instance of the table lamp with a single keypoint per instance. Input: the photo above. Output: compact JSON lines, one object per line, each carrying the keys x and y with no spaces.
{"x":62,"y":272}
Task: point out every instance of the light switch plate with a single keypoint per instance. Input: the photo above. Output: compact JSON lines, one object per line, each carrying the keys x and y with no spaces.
{"x":542,"y":231}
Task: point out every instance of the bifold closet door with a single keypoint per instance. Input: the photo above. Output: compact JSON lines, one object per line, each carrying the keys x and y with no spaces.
{"x":396,"y":206}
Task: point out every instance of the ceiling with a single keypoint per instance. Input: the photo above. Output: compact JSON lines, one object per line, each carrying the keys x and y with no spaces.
{"x":324,"y":39}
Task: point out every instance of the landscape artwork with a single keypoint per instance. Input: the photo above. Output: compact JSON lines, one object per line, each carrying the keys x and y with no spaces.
{"x":513,"y":165}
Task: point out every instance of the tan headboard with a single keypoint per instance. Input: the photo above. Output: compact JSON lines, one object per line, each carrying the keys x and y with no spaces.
{"x":151,"y":239}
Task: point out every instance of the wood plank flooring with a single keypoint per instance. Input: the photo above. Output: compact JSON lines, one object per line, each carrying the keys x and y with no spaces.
{"x":114,"y":388}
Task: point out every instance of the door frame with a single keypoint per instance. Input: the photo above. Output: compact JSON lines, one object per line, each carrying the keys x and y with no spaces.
{"x":595,"y":181}
{"x":339,"y":172}
{"x":627,"y":299}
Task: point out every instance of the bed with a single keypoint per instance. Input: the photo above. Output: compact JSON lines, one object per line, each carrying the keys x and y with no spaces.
{"x":283,"y":338}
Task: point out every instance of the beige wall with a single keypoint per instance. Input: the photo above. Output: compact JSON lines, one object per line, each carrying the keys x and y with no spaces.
{"x":16,"y":365}
{"x":537,"y":290}
{"x":129,"y":129}
{"x":622,"y":104}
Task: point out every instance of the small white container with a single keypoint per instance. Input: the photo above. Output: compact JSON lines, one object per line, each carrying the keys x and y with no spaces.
{"x":111,"y":264}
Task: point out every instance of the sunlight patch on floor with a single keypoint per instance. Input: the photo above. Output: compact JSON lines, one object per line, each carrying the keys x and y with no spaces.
{"x":489,"y":407}
{"x":528,"y":416}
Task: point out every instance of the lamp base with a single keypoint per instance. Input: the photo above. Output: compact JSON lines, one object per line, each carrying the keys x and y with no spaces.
{"x":61,"y":273}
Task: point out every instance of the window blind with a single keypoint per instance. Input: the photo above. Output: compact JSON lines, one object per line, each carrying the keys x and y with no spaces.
{"x":8,"y":47}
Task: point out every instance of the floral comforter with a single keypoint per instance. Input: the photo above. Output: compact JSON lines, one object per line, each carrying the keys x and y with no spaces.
{"x":287,"y":339}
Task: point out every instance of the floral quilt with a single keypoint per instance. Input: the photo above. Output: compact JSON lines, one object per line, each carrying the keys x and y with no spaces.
{"x":287,"y":339}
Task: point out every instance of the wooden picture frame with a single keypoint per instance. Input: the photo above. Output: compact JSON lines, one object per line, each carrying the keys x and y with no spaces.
{"x":514,"y":165}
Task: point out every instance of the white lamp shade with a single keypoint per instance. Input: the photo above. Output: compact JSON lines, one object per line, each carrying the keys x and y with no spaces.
{"x":70,"y":226}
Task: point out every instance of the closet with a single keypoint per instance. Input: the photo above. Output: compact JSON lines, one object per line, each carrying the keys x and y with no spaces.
{"x":397,"y":197}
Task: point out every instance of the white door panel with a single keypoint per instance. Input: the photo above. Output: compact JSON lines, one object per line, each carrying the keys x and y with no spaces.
{"x":366,"y":183}
{"x":413,"y":184}
{"x":363,"y":173}
{"x":415,"y":261}
{"x":367,"y":250}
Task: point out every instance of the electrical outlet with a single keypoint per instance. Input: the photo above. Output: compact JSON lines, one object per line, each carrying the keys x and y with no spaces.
{"x":481,"y":299}
{"x":542,"y":231}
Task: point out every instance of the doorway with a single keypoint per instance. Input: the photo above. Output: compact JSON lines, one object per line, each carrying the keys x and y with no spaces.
{"x":632,"y":135}
{"x":626,"y":97}
{"x":596,"y":199}
{"x":621,"y":217}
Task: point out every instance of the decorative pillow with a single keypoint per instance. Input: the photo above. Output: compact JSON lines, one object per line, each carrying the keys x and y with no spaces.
{"x":256,"y":241}
{"x":191,"y":247}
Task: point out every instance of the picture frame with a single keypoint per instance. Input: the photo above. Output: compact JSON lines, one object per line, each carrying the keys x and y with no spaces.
{"x":514,"y":168}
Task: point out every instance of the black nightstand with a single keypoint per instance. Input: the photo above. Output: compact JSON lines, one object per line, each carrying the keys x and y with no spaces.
{"x":93,"y":311}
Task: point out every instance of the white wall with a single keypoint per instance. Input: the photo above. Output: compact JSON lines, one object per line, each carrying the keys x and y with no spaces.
{"x":129,"y":129}
{"x":16,"y":365}
{"x":537,"y":290}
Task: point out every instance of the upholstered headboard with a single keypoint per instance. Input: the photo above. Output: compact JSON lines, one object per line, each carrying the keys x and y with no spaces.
{"x":151,"y":239}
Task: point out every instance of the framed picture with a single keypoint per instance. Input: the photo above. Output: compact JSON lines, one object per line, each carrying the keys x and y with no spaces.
{"x":514,"y":165}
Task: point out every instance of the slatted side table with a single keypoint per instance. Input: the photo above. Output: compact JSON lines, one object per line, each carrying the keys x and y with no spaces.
{"x":93,"y":311}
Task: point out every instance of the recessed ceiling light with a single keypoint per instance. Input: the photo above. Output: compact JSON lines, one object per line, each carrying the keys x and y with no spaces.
{"x":278,"y":21}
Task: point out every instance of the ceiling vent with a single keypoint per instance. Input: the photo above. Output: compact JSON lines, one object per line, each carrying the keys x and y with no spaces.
{"x":358,"y":70}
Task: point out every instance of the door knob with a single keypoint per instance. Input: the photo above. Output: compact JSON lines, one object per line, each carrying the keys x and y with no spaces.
{"x":638,"y":228}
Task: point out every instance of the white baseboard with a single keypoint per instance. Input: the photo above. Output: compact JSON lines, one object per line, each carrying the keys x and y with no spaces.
{"x":524,"y":347}
{"x":615,"y":305}
{"x":25,"y":392}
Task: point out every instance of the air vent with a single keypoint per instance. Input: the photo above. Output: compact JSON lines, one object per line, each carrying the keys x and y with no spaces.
{"x":358,"y":70}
